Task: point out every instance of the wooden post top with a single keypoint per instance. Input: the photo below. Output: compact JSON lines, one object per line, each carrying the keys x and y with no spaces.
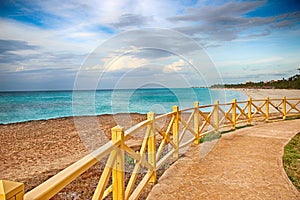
{"x":9,"y":189}
{"x":150,"y":115}
{"x":117,"y":128}
{"x":175,"y":108}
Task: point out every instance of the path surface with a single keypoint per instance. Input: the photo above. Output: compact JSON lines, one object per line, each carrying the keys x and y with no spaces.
{"x":245,"y":164}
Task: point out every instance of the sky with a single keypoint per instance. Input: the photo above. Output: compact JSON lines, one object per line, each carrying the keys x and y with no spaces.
{"x":65,"y":45}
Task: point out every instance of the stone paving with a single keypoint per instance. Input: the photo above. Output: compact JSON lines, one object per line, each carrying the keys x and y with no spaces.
{"x":244,"y":164}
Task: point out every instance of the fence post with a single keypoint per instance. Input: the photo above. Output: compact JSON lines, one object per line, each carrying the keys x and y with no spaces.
{"x":118,"y":183}
{"x":216,"y":116}
{"x":196,"y":122}
{"x":175,"y":131}
{"x":11,"y":190}
{"x":152,"y":145}
{"x":249,"y":110}
{"x":267,"y":109}
{"x":284,"y":107}
{"x":233,"y":113}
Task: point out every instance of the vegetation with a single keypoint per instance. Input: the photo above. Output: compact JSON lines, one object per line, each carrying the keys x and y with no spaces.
{"x":210,"y":137}
{"x":216,"y":135}
{"x":290,"y":83}
{"x":236,"y":128}
{"x":291,"y":160}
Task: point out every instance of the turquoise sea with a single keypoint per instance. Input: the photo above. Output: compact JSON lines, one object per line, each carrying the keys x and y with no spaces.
{"x":26,"y":106}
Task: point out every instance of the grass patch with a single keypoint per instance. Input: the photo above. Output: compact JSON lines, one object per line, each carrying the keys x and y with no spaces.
{"x":240,"y":127}
{"x":291,"y":160}
{"x":215,"y":135}
{"x":210,"y":137}
{"x":292,"y":117}
{"x":228,"y":131}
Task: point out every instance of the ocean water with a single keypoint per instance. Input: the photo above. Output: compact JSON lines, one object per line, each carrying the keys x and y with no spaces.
{"x":26,"y":106}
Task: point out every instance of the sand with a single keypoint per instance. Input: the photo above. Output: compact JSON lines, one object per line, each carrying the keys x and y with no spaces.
{"x":32,"y":152}
{"x":271,"y":93}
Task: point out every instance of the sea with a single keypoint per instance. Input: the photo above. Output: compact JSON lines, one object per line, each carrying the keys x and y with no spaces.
{"x":37,"y":105}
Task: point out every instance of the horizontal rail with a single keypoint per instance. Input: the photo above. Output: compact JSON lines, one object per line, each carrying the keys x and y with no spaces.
{"x":53,"y":185}
{"x":164,"y":115}
{"x":164,"y":159}
{"x":225,"y":104}
{"x":241,"y":102}
{"x":135,"y":128}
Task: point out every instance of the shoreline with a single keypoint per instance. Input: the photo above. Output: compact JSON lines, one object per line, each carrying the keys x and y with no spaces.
{"x":263,"y":93}
{"x":77,"y":116}
{"x":34,"y":112}
{"x":271,"y":93}
{"x":256,"y":94}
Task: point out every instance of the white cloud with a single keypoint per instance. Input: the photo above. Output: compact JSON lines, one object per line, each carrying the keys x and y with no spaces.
{"x":125,"y":62}
{"x":174,"y":67}
{"x":106,"y":12}
{"x":19,"y":69}
{"x":266,"y":60}
{"x":48,"y":40}
{"x":115,"y":64}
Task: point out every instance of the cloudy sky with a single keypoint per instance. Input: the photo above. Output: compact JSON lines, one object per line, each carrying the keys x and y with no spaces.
{"x":61,"y":45}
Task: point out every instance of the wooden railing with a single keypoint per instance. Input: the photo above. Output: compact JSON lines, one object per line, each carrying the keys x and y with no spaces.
{"x":161,"y":139}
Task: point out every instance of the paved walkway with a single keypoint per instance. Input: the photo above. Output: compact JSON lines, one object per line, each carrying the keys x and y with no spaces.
{"x":245,"y":164}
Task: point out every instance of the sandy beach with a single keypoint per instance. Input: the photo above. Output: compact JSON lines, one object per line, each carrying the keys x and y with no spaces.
{"x":271,"y":93}
{"x":32,"y":152}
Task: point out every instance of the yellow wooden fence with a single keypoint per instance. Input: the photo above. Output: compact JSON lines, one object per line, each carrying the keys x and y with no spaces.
{"x":161,"y":138}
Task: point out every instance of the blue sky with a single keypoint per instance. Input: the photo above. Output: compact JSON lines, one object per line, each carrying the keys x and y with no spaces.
{"x":57,"y":45}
